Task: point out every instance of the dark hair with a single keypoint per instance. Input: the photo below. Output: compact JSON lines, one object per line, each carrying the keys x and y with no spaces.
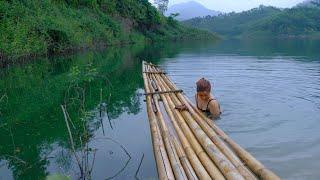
{"x":203,"y":85}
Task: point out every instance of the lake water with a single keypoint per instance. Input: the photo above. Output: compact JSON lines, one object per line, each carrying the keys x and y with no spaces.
{"x":269,"y":91}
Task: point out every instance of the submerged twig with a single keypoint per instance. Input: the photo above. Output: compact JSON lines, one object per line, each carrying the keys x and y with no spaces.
{"x":16,"y":158}
{"x":122,"y":147}
{"x":126,"y":152}
{"x":12,"y":139}
{"x":71,"y":138}
{"x":101,"y":121}
{"x":100,"y":112}
{"x":136,"y":174}
{"x":108,"y":82}
{"x":87,"y":158}
{"x":93,"y":161}
{"x":121,"y":170}
{"x":109,"y":119}
{"x":110,"y":123}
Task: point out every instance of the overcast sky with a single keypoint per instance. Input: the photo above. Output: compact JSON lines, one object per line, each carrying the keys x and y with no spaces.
{"x":240,"y":5}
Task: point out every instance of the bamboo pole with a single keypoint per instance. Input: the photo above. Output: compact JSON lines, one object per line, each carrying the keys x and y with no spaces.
{"x":260,"y":170}
{"x":162,"y":161}
{"x":203,"y":166}
{"x":184,"y":160}
{"x":203,"y":156}
{"x":196,"y":164}
{"x":222,"y":162}
{"x":171,"y":151}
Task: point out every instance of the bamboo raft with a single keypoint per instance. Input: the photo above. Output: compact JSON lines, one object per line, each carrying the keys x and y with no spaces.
{"x":188,"y":145}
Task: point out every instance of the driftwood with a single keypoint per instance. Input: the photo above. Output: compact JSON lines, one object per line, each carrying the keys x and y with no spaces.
{"x":195,"y":148}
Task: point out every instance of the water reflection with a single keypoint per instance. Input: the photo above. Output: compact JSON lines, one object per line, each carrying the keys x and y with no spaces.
{"x":34,"y":140}
{"x":31,"y":118}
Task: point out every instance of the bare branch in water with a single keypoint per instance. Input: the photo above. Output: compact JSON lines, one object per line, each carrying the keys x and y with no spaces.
{"x":136,"y":174}
{"x":16,"y":158}
{"x":121,"y":170}
{"x":122,"y":147}
{"x":71,"y":138}
{"x":109,"y":119}
{"x":100,"y":112}
{"x":70,"y":120}
{"x":126,"y":152}
{"x":12,"y":139}
{"x":93,"y":161}
{"x":101,"y":122}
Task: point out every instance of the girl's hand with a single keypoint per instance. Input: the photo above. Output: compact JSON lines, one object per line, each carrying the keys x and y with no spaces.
{"x":182,"y":107}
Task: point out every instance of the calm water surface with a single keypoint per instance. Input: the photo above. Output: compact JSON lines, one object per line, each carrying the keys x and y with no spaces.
{"x":269,"y":92}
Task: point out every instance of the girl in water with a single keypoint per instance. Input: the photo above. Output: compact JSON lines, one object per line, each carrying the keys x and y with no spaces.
{"x":204,"y":100}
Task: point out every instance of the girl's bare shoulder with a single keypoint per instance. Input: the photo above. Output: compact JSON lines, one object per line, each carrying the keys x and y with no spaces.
{"x":214,"y":103}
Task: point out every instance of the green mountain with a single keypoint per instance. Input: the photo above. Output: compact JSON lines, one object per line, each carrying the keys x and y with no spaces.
{"x":190,"y":9}
{"x":31,"y":28}
{"x":263,"y":22}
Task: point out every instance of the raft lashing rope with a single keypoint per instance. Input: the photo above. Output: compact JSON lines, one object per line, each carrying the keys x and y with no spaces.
{"x":188,"y":145}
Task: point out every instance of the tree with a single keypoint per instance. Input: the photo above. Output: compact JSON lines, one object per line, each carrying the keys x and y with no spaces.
{"x":162,"y":5}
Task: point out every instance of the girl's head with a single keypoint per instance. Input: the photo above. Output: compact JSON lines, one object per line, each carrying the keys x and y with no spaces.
{"x":203,"y":88}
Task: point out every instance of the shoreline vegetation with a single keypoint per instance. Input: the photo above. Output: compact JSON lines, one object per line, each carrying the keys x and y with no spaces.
{"x":33,"y":28}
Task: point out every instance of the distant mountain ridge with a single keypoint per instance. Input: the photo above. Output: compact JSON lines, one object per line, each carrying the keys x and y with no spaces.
{"x":299,"y":21}
{"x":190,"y":10}
{"x":310,"y":3}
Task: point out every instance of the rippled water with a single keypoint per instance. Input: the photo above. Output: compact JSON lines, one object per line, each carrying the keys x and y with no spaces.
{"x":271,"y":104}
{"x":269,"y":92}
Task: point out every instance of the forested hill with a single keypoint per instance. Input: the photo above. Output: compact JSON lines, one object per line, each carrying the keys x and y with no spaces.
{"x":264,"y":22}
{"x":33,"y":27}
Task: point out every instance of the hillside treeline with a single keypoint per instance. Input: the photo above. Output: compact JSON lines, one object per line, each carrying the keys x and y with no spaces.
{"x":32,"y":27}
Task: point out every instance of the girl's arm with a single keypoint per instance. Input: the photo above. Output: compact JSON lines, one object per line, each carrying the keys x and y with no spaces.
{"x":214,"y":109}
